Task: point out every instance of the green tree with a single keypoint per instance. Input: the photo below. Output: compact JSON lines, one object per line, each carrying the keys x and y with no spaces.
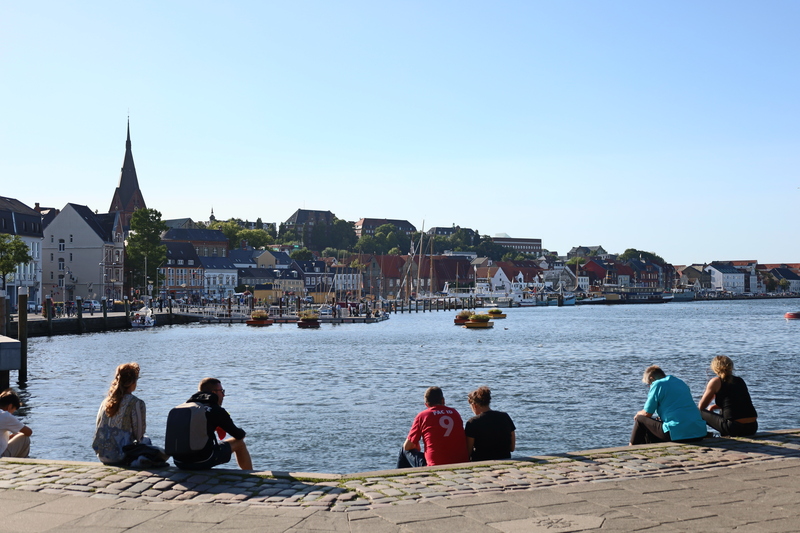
{"x":342,"y":235}
{"x":144,"y":247}
{"x":395,"y":251}
{"x":330,"y":252}
{"x":783,"y":283}
{"x":633,"y":253}
{"x":257,"y":238}
{"x":303,"y":254}
{"x":13,"y":251}
{"x":369,"y":244}
{"x":231,"y":229}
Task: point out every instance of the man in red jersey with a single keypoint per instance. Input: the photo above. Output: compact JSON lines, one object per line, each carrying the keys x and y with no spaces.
{"x":442,"y":430}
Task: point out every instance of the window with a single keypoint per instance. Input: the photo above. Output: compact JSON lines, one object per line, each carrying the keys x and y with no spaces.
{"x":61,"y":264}
{"x":180,"y":261}
{"x":190,"y":262}
{"x":51,"y":238}
{"x":70,"y":257}
{"x":51,"y":258}
{"x":61,"y":245}
{"x":70,"y":238}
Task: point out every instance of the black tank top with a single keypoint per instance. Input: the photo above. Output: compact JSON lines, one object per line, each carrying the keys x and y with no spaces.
{"x":734,"y":400}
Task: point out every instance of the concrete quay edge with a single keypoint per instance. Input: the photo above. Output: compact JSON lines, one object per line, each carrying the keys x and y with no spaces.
{"x":720,"y":484}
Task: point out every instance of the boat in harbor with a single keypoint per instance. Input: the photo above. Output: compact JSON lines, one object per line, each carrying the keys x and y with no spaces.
{"x":792,"y":315}
{"x":143,"y":318}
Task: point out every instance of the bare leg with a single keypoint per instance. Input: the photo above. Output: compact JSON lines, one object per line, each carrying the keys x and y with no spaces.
{"x":239,"y":448}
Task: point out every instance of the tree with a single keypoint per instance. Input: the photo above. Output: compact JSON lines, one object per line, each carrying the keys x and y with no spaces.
{"x":13,"y":251}
{"x":633,"y":253}
{"x":257,"y":238}
{"x":231,"y":229}
{"x":144,"y":247}
{"x":303,"y":254}
{"x":783,"y":283}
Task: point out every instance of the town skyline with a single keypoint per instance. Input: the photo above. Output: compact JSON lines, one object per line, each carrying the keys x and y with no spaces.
{"x":662,"y":128}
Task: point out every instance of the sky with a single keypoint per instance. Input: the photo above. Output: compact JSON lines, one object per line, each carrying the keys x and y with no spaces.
{"x":665,"y":127}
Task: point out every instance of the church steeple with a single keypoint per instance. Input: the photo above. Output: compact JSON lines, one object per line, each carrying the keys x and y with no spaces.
{"x":127,"y":197}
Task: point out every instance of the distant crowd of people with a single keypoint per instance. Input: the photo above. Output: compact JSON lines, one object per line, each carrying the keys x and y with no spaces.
{"x":200,"y":434}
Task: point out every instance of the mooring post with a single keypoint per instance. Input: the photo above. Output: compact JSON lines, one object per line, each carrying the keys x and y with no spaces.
{"x":104,"y":307}
{"x":22,"y":335}
{"x":79,"y":307}
{"x":48,"y":312}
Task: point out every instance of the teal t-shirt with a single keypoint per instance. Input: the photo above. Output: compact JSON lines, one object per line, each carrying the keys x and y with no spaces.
{"x":671,"y":399}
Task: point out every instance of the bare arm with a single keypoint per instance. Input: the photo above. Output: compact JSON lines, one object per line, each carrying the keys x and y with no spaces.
{"x":644,"y":413}
{"x":513,"y":441}
{"x":26,"y":431}
{"x":470,"y":446}
{"x":410,"y":445}
{"x":714,"y":384}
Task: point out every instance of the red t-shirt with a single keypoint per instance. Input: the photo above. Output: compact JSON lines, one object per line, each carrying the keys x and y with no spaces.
{"x":441,"y":429}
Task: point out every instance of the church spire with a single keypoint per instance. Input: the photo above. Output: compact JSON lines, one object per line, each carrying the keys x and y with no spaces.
{"x":127,"y":197}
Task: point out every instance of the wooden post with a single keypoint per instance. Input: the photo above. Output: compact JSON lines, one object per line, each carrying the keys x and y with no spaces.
{"x":48,"y":311}
{"x":79,"y":307}
{"x":5,"y":375}
{"x":22,"y":335}
{"x":104,"y":307}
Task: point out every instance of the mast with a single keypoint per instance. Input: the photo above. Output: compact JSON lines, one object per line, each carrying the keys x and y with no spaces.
{"x":421,"y":254}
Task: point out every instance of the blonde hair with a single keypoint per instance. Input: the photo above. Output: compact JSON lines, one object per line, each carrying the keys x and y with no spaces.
{"x":126,"y":375}
{"x":723,"y":367}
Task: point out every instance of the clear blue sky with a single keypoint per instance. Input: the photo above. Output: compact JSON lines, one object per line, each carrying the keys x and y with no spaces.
{"x":668,"y":127}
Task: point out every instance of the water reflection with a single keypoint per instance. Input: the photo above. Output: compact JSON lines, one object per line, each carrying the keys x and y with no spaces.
{"x":341,"y":399}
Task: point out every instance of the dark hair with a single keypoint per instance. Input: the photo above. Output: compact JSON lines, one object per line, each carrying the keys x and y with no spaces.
{"x":208,"y":384}
{"x":126,"y":375}
{"x":434,"y":396}
{"x":9,"y":397}
{"x":482,"y":396}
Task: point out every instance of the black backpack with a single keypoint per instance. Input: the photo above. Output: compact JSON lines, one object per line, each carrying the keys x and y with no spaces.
{"x":187,"y":429}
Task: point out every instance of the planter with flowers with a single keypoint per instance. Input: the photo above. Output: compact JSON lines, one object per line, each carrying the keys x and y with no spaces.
{"x":495,"y":313}
{"x":462,"y":317}
{"x":258,"y":318}
{"x":308,"y":319}
{"x":479,"y":322}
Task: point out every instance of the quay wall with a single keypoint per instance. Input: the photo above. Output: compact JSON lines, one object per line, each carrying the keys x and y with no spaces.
{"x":91,"y":324}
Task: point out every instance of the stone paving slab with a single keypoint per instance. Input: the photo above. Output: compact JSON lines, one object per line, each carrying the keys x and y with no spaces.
{"x":665,"y":487}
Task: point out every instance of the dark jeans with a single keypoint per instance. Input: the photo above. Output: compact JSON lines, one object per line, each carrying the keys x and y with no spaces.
{"x":728,"y":428}
{"x":411,"y":459}
{"x":647,"y":430}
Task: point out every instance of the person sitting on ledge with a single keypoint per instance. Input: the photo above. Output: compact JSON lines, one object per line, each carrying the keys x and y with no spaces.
{"x":490,"y":434}
{"x":193,"y":427}
{"x":442,"y":430}
{"x":738,"y":417}
{"x":15,"y":437}
{"x":670,"y":398}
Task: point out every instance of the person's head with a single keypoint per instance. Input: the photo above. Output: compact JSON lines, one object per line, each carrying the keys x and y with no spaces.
{"x":722,"y":366}
{"x":652,"y":373}
{"x":9,"y":401}
{"x":434,"y":396}
{"x":481,"y":397}
{"x":212,"y":385}
{"x":125,"y":379}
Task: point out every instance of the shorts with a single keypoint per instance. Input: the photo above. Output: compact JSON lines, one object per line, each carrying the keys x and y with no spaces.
{"x":220,"y":455}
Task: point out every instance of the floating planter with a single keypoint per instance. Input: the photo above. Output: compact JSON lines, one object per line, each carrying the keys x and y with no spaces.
{"x":308,"y":319}
{"x":479,"y":322}
{"x":259,"y":318}
{"x":461,"y":318}
{"x":495,"y":313}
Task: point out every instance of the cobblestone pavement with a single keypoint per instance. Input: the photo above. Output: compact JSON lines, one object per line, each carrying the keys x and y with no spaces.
{"x":374,"y":490}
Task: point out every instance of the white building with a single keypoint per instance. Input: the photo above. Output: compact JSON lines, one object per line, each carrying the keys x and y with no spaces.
{"x":17,"y":219}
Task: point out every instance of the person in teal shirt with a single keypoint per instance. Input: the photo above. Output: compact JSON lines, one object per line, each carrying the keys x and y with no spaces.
{"x":678,"y":418}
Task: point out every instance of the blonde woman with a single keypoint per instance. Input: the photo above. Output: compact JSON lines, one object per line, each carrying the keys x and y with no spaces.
{"x":121,"y":418}
{"x":738,"y":417}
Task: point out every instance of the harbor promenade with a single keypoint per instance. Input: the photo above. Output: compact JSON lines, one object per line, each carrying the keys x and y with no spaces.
{"x":720,"y":484}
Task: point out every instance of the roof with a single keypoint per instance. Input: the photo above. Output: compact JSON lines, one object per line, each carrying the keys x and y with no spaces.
{"x":725,"y":268}
{"x":181,"y":250}
{"x":127,"y":195}
{"x":217,"y":263}
{"x":193,"y":235}
{"x":101,"y":224}
{"x":307,"y":216}
{"x":785,"y":273}
{"x":243,"y":256}
{"x":17,"y":218}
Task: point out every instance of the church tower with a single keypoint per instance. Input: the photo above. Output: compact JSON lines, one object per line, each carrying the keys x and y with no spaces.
{"x":127,"y":197}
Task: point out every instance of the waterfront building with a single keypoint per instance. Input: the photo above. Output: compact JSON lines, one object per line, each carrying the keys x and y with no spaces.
{"x":725,"y":277}
{"x":587,"y":251}
{"x":83,"y":255}
{"x":182,"y":276}
{"x":220,"y":277}
{"x":791,"y":277}
{"x":17,"y":219}
{"x":207,"y":242}
{"x":317,"y":279}
{"x":367,"y":226}
{"x":525,"y":246}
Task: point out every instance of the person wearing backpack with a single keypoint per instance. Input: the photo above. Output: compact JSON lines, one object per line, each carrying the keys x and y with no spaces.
{"x":192,"y":430}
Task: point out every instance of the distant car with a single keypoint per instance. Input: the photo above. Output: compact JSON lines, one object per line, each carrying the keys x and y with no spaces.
{"x":91,"y":305}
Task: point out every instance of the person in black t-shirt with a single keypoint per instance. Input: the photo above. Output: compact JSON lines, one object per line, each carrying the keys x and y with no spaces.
{"x":738,"y":417}
{"x":490,"y":434}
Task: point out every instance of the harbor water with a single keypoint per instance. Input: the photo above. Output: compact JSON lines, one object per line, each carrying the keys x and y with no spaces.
{"x":342,"y":398}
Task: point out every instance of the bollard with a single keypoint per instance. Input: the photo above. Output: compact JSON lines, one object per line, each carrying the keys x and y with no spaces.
{"x":104,"y":307}
{"x":79,"y":307}
{"x":22,"y":336}
{"x":48,"y":312}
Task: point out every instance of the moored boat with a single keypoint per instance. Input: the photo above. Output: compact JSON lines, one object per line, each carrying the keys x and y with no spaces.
{"x":143,"y":318}
{"x":792,"y":315}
